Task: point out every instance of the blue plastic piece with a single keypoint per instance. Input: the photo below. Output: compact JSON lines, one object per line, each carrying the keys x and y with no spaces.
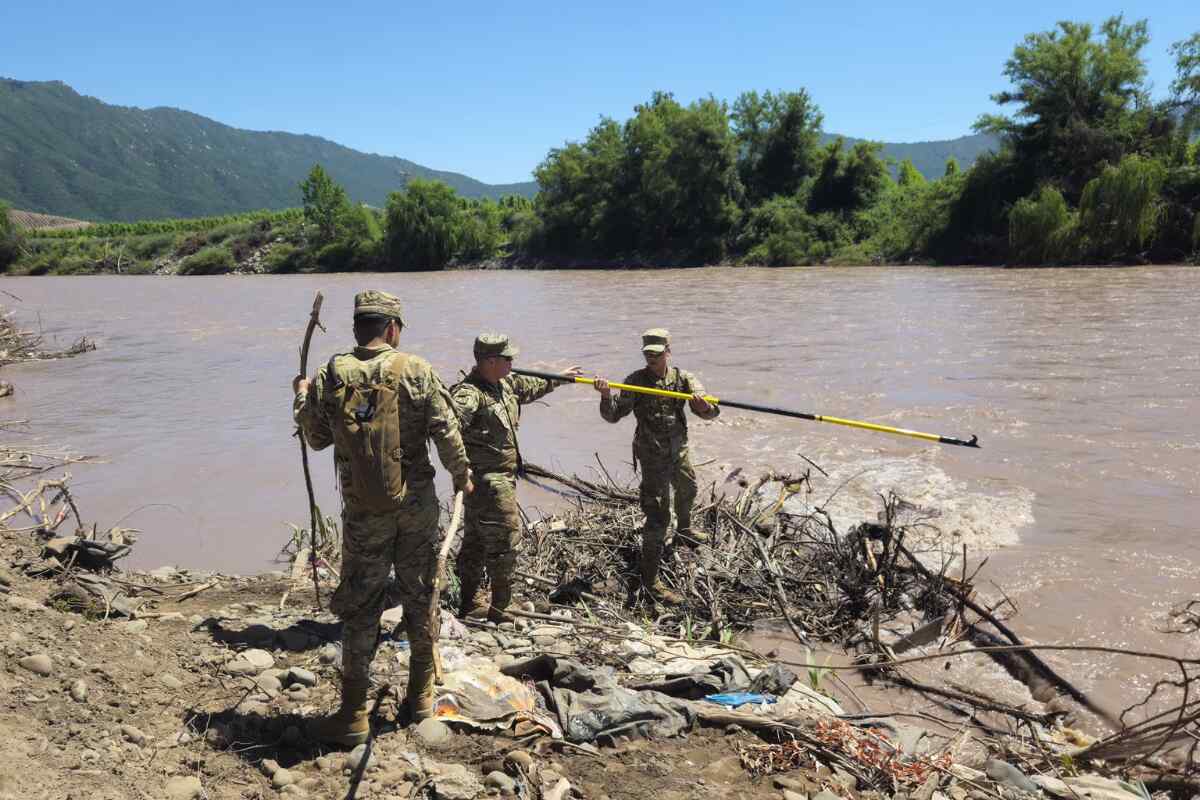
{"x":735,"y":699}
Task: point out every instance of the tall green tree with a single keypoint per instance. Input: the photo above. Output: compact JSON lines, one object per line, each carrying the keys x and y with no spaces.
{"x":908,"y":175}
{"x":421,"y":230}
{"x":1185,"y":89}
{"x":778,"y":138}
{"x":324,"y":203}
{"x":952,"y":167}
{"x":848,"y":181}
{"x":1081,"y":100}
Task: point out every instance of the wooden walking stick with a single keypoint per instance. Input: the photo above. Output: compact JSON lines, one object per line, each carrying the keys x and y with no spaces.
{"x":438,"y":581}
{"x":314,"y":321}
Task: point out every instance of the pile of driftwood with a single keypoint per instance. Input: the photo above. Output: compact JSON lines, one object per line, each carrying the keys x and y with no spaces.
{"x":765,"y":563}
{"x":17,"y":344}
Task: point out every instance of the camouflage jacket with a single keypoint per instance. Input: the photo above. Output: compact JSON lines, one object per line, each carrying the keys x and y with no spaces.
{"x":425,"y":408}
{"x":660,"y":420}
{"x":490,"y":415}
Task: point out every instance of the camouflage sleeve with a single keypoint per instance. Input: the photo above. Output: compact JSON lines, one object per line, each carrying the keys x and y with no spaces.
{"x":618,"y":405}
{"x":441,"y":422}
{"x":466,"y":403}
{"x":528,"y":388}
{"x":694,"y":385}
{"x":308,"y":411}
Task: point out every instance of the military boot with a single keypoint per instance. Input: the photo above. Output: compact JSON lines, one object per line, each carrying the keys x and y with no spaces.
{"x":501,"y":598}
{"x":420,"y":694}
{"x":350,"y":725}
{"x":653,"y":585}
{"x":474,"y":604}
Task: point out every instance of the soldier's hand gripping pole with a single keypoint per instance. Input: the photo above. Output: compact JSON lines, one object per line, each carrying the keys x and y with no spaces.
{"x":783,"y":412}
{"x":439,"y":581}
{"x":314,"y":513}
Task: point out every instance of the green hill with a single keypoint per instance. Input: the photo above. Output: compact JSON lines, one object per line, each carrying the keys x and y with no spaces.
{"x":63,"y":153}
{"x":930,"y":157}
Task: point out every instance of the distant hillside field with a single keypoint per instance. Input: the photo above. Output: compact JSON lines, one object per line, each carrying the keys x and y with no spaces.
{"x":63,"y":153}
{"x":28,"y":220}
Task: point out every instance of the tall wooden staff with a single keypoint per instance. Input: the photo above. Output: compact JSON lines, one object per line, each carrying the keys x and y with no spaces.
{"x":314,"y":321}
{"x":439,"y":581}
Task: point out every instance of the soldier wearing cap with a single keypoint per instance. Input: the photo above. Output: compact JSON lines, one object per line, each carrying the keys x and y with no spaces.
{"x":400,"y":531}
{"x":489,"y":402}
{"x":660,"y":444}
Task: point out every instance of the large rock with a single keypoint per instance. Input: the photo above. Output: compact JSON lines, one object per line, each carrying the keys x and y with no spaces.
{"x":433,"y":733}
{"x":454,"y":782}
{"x":39,"y":664}
{"x":261,"y":659}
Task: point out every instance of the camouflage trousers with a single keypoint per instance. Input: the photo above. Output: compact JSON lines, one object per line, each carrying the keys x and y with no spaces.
{"x":491,"y":530}
{"x":372,"y":546}
{"x":664,"y":469}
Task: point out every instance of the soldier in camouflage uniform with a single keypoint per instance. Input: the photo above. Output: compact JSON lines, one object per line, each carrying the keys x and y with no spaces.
{"x":660,"y":445}
{"x":489,"y":404}
{"x":377,"y":539}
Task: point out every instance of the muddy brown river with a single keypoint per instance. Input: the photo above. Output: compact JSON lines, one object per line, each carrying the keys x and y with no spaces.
{"x":1083,"y":386}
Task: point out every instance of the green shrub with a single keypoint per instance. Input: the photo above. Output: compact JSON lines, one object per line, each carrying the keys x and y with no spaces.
{"x":209,"y":261}
{"x":152,"y":246}
{"x":10,"y":242}
{"x":1120,"y":208}
{"x":190,"y":245}
{"x":223,"y":232}
{"x":1041,"y":229}
{"x":284,"y":257}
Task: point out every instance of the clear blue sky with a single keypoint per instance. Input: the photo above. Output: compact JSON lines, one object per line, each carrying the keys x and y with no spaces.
{"x":487,"y":88}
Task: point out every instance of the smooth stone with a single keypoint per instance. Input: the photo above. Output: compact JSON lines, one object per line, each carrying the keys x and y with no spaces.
{"x":1003,"y":772}
{"x":302,"y":676}
{"x":170,"y":681}
{"x":134,"y":735}
{"x":260,"y":659}
{"x":79,"y":691}
{"x":498,"y":780}
{"x":240,"y":666}
{"x":184,"y":788}
{"x":269,"y":766}
{"x":134,"y":626}
{"x":354,"y":758}
{"x":268,"y":684}
{"x":39,"y":664}
{"x":433,"y":733}
{"x":330,"y":654}
{"x":282,"y":778}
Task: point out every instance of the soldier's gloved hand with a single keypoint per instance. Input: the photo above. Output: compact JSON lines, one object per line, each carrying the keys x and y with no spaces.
{"x":699,"y":404}
{"x":601,"y":386}
{"x":299,"y":384}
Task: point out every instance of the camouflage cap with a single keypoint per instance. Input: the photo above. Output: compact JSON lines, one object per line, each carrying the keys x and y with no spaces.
{"x":373,"y":301}
{"x":655,"y":340}
{"x":494,"y":344}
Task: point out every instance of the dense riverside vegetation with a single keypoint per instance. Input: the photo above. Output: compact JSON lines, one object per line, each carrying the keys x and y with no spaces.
{"x":1090,"y":170}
